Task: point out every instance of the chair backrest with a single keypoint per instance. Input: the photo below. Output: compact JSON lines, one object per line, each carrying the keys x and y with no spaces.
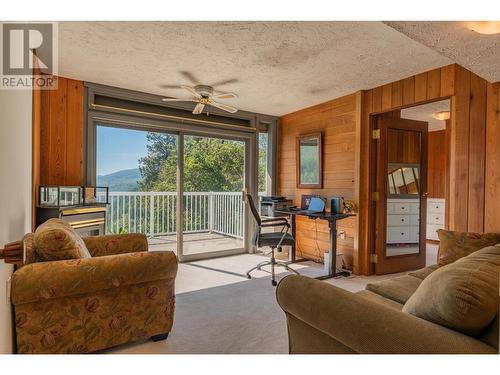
{"x":254,"y":210}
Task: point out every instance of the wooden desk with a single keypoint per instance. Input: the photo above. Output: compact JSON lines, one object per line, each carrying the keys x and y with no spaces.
{"x":332,"y":224}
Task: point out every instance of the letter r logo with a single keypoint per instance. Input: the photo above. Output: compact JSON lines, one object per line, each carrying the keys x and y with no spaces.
{"x":26,"y":46}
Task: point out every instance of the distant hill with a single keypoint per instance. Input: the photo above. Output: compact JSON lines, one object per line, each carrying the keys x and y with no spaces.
{"x":124,"y":180}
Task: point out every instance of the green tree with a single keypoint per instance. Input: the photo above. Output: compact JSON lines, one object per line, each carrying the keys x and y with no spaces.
{"x":161,"y":147}
{"x":210,"y":164}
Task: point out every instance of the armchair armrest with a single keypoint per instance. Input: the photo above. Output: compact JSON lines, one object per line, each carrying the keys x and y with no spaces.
{"x":116,"y":244}
{"x":49,"y":280}
{"x":366,"y":326}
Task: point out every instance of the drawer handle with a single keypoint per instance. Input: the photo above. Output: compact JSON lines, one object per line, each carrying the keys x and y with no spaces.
{"x":437,"y":218}
{"x":402,"y":234}
{"x":402,"y":208}
{"x":402,"y":219}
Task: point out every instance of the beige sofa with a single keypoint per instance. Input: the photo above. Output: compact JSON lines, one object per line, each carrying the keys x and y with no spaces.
{"x":322,"y":318}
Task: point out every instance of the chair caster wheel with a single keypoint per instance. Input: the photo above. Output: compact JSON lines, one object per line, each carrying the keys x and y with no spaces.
{"x":249,"y":277}
{"x":274,"y":283}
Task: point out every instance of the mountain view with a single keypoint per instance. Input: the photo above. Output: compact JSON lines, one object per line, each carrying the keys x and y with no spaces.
{"x":124,"y":180}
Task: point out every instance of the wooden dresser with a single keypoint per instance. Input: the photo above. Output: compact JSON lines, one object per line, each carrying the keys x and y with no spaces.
{"x":402,"y":221}
{"x":435,"y":217}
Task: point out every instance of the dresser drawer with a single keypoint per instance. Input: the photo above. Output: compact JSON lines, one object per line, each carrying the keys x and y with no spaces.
{"x":435,"y":218}
{"x":402,"y":208}
{"x":435,"y":207}
{"x":398,"y":220}
{"x":398,"y":234}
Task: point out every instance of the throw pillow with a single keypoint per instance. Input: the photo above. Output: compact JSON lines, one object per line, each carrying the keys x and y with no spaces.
{"x":463,"y":295}
{"x":456,"y":245}
{"x":57,"y":240}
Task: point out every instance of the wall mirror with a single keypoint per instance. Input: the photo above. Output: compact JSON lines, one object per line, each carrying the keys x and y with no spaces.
{"x":309,"y":161}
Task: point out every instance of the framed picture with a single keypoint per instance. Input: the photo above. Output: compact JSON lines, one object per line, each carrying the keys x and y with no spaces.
{"x":309,"y":174}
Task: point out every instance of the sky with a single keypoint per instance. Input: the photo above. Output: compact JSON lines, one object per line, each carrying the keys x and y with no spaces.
{"x":119,"y":149}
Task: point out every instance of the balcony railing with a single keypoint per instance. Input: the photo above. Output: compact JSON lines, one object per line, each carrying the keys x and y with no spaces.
{"x":154,"y":213}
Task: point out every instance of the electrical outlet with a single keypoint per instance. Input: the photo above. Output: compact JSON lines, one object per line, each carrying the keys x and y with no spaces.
{"x":342,"y":235}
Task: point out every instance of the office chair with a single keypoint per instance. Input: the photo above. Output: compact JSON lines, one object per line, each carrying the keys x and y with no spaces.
{"x":273,"y":240}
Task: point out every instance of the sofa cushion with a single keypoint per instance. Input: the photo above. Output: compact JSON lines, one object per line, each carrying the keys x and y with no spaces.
{"x":57,"y":240}
{"x":423,"y":272}
{"x":463,"y":295}
{"x":398,"y":289}
{"x":456,"y":245}
{"x":379,"y":299}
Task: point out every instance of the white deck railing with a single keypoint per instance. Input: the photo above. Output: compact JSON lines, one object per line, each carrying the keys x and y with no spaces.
{"x":154,"y":213}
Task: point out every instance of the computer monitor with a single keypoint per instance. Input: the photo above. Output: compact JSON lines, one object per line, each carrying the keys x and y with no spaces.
{"x":316,"y":204}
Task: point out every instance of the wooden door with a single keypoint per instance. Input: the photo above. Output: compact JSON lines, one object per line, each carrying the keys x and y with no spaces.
{"x":401,"y":184}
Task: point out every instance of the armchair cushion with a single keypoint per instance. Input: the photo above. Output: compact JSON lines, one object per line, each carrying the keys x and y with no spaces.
{"x":116,"y":244}
{"x":57,"y":240}
{"x":456,"y":245}
{"x":51,"y":280}
{"x":463,"y":295}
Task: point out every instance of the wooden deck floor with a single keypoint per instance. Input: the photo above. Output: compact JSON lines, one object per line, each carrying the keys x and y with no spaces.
{"x":196,"y":243}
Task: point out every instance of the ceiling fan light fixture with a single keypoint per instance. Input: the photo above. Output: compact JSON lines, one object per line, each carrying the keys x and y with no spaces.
{"x":443,"y":115}
{"x":485,"y":27}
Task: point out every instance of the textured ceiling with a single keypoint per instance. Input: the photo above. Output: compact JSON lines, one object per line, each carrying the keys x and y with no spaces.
{"x":280,"y":67}
{"x":424,"y":113}
{"x":455,"y":40}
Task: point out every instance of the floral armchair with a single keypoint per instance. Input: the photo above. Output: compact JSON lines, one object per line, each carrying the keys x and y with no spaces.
{"x":121,"y":294}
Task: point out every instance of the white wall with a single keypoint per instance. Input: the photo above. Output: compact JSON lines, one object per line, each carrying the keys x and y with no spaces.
{"x":15,"y":189}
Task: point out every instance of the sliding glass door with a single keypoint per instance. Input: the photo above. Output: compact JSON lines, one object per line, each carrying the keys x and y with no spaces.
{"x":213,"y":179}
{"x":184,"y":191}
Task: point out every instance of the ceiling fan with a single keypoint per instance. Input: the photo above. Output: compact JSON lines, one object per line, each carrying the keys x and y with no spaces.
{"x":205,"y":95}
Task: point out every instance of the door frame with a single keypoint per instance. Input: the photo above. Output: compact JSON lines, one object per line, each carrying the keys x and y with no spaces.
{"x":397,"y":263}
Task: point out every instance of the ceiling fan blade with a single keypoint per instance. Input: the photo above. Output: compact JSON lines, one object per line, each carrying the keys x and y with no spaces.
{"x":225,"y":95}
{"x":178,"y":100}
{"x":224,"y":107}
{"x":168,"y":87}
{"x":190,"y":77}
{"x":191,"y":90}
{"x":225,"y":82}
{"x":198,"y":109}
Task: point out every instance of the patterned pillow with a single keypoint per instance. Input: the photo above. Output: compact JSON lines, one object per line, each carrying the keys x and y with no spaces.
{"x":57,"y":240}
{"x":456,"y":245}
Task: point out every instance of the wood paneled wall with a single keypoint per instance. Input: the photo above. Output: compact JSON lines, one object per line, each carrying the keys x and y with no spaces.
{"x":492,"y":193}
{"x":61,"y":134}
{"x":338,"y":122}
{"x":436,"y":164}
{"x":465,"y":188}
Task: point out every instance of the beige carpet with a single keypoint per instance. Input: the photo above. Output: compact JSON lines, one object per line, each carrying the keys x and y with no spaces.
{"x":219,"y":311}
